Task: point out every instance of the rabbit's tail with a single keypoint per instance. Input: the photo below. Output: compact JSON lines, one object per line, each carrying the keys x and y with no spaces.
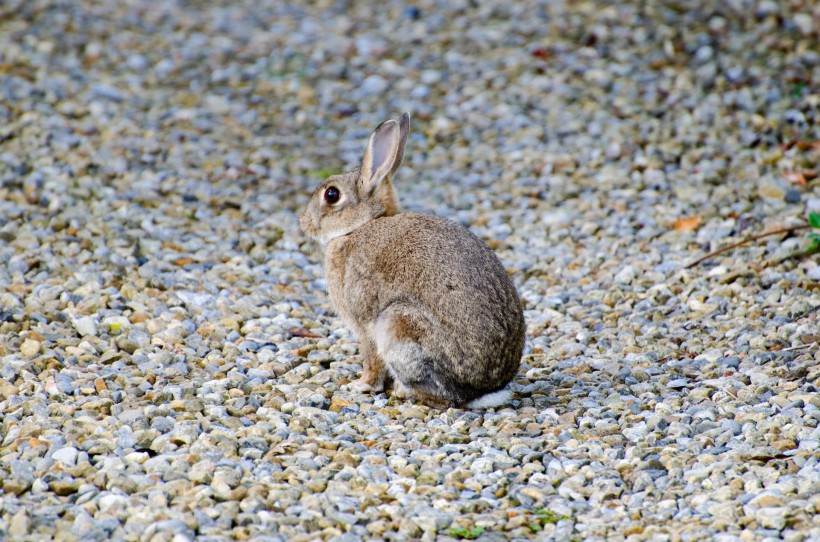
{"x":492,"y":399}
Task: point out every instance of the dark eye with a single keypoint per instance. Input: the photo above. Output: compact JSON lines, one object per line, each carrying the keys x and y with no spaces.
{"x":332,"y":195}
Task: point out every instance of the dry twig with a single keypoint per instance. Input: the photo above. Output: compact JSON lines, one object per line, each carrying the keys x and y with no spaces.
{"x":744,"y":241}
{"x":799,"y":347}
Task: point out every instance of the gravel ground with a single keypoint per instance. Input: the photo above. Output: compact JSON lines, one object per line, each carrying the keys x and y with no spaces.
{"x":171,"y":368}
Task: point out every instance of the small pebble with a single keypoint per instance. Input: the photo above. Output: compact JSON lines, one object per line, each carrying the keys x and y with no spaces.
{"x":792,"y":196}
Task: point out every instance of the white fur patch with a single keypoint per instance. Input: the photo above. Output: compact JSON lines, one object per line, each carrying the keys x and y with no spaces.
{"x":328,"y":236}
{"x":491,"y":400}
{"x":381,"y":334}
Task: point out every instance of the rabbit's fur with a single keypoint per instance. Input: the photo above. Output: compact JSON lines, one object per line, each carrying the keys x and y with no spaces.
{"x":430,"y":302}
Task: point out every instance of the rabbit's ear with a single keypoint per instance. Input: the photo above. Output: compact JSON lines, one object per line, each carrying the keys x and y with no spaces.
{"x":384,"y":152}
{"x":404,"y":131}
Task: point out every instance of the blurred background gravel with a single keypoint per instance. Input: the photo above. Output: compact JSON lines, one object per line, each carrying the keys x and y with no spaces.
{"x":170,"y":366}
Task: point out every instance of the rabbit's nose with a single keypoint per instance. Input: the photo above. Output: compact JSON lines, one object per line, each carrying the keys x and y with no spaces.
{"x":308,"y":225}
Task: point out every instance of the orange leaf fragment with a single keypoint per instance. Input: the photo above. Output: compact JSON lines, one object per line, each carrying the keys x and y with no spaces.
{"x":795,"y":177}
{"x":685,"y":224}
{"x":302,"y":332}
{"x":541,"y":53}
{"x":173,"y":246}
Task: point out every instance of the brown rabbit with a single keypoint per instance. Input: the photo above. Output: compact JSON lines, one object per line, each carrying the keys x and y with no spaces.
{"x":430,"y":302}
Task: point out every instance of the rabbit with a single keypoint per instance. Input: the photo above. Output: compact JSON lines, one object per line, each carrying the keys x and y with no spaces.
{"x":431,"y":304}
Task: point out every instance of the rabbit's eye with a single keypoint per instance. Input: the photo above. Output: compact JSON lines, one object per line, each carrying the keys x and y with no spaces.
{"x":332,"y":195}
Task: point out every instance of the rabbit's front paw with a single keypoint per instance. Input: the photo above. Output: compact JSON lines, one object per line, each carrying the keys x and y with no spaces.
{"x":363,"y":385}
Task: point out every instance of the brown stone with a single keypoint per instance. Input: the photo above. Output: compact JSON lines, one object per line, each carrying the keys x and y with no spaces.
{"x":138,"y":317}
{"x":567,"y":417}
{"x":785,"y":444}
{"x":65,"y":487}
{"x":338,"y":403}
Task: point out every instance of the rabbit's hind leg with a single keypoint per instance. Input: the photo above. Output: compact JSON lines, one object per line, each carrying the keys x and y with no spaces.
{"x":399,"y":334}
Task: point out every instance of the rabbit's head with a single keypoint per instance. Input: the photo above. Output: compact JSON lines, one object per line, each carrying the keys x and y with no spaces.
{"x":347,"y":201}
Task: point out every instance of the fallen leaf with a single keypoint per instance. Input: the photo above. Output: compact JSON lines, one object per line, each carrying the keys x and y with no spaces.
{"x":540,"y":53}
{"x":687,"y":224}
{"x":807,"y":145}
{"x":302,"y":332}
{"x":795,"y":177}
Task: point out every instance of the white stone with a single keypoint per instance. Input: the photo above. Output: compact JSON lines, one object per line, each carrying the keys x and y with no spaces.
{"x":19,"y":524}
{"x":67,"y":455}
{"x":482,"y":465}
{"x":116,"y":323}
{"x":85,"y":326}
{"x":625,"y":275}
{"x":772,"y":518}
{"x":112,"y":503}
{"x":636,"y":433}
